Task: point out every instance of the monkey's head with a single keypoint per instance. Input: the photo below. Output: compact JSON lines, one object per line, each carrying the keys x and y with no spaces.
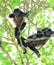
{"x":16,"y":12}
{"x":46,"y":32}
{"x":50,"y":32}
{"x":17,"y":16}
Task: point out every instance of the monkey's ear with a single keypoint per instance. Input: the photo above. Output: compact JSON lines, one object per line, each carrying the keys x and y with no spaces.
{"x":11,"y":16}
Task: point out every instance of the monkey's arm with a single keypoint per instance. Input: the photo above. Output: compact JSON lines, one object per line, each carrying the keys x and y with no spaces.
{"x":30,"y":45}
{"x":23,"y":25}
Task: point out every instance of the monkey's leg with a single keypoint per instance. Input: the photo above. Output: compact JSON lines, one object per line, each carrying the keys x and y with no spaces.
{"x":34,"y":49}
{"x":17,"y":32}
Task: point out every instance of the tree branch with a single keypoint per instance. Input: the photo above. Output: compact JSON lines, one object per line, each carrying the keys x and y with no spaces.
{"x":37,"y":39}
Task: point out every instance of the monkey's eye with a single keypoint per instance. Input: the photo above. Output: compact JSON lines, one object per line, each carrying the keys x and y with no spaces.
{"x":11,"y":16}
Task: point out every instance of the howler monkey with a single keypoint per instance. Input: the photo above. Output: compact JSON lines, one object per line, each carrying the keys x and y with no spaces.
{"x":18,"y":19}
{"x":37,"y":40}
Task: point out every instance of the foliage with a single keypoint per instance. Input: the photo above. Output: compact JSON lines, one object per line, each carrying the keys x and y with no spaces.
{"x":42,"y":15}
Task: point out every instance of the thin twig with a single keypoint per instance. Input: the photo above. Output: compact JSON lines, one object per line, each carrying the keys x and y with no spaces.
{"x":20,"y":55}
{"x":7,"y":41}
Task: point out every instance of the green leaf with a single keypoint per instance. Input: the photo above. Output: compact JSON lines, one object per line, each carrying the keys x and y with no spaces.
{"x":51,"y":2}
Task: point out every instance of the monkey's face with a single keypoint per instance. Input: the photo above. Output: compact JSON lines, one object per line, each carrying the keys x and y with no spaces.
{"x":48,"y":32}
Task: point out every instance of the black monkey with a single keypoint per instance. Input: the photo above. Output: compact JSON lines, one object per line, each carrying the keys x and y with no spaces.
{"x":38,"y":41}
{"x":18,"y":17}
